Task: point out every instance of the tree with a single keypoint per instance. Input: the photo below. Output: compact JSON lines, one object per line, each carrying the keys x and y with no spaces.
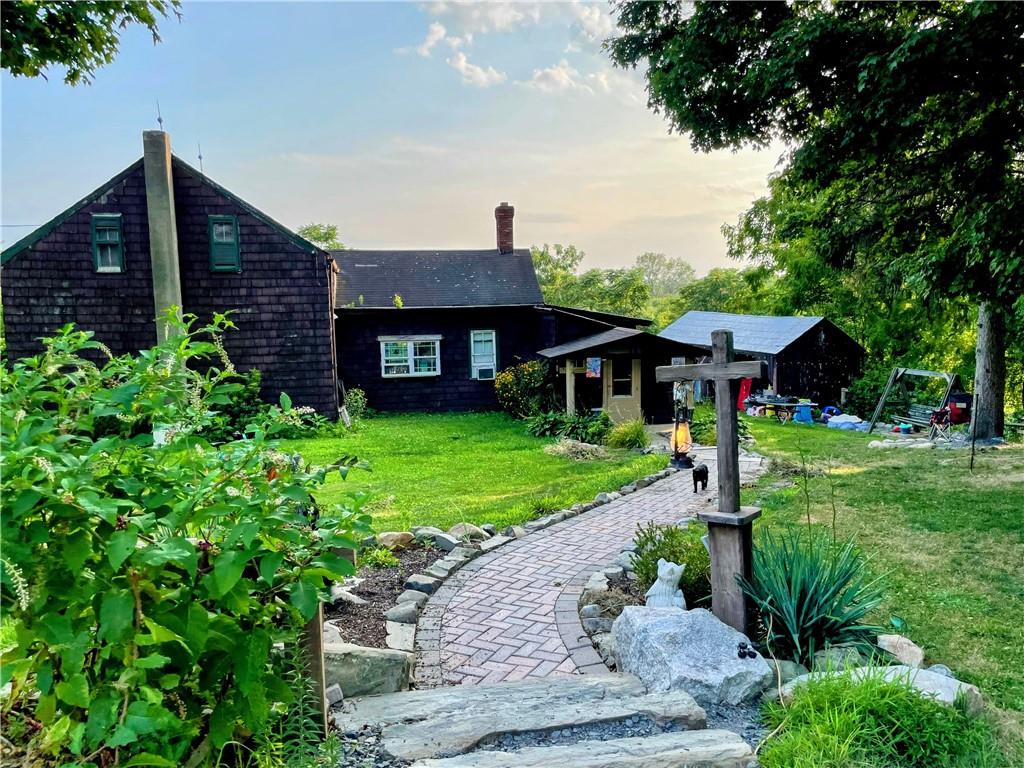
{"x":907,"y":127}
{"x":622,"y":291}
{"x":664,"y":275}
{"x":323,"y":235}
{"x":79,"y":36}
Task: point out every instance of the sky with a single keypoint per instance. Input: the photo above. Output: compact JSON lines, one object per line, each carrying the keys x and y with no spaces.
{"x":402,"y":123}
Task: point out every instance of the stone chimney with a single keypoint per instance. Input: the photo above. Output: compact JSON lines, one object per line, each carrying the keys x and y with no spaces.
{"x":503,"y":215}
{"x":163,"y":229}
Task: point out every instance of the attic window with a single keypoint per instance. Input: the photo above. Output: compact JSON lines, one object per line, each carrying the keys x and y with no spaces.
{"x":107,"y":244}
{"x":224,"y":253}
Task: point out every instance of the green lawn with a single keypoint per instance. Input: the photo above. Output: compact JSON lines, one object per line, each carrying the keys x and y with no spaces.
{"x":441,"y":469}
{"x":951,"y":543}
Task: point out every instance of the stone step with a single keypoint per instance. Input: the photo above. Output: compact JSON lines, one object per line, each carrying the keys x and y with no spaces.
{"x":443,"y":722}
{"x":692,"y":749}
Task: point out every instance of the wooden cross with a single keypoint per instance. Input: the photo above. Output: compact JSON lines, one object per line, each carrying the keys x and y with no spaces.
{"x":730,"y":528}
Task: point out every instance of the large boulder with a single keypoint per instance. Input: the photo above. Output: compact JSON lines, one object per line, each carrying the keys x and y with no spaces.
{"x":930,"y":684}
{"x":395,"y":539}
{"x":364,"y":671}
{"x":673,"y":649}
{"x":467,"y":532}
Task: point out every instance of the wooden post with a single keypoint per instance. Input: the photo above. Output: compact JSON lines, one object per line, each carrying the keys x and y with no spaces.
{"x":313,"y":645}
{"x":730,"y":529}
{"x":570,"y":387}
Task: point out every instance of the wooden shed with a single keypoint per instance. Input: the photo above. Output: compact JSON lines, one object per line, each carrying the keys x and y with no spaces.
{"x":806,"y":356}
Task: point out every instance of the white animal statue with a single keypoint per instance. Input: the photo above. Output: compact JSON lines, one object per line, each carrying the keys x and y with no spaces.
{"x":665,"y":592}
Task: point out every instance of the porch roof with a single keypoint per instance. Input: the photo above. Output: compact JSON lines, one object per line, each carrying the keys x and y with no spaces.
{"x":587,"y":343}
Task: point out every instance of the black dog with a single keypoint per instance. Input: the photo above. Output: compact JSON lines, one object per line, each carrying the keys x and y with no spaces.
{"x":700,"y":475}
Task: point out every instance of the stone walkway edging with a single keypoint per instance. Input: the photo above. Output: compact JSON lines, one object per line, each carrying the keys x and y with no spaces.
{"x":427,"y":641}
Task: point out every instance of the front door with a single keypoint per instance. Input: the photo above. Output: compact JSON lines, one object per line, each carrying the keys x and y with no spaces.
{"x":622,"y":388}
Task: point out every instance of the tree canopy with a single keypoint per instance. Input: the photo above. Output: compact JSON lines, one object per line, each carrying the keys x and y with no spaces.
{"x":324,"y":235}
{"x":79,"y":36}
{"x":906,"y":123}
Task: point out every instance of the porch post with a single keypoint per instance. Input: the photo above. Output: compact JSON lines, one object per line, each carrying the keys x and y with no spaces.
{"x":570,"y":387}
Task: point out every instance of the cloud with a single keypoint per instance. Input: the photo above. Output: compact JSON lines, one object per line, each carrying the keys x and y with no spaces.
{"x":473,"y":74}
{"x":485,"y":17}
{"x":435,"y":34}
{"x":557,"y":79}
{"x":593,"y":19}
{"x":563,"y":77}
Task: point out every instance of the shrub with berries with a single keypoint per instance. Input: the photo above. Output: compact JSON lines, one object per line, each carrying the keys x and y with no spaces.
{"x":148,"y":574}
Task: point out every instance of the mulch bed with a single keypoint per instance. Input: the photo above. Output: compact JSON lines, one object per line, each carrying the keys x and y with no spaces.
{"x":364,"y":624}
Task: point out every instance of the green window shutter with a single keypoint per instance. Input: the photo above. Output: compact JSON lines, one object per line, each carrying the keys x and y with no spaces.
{"x":224,"y":253}
{"x":107,"y":243}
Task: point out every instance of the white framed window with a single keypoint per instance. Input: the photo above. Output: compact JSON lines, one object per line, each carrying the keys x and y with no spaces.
{"x":410,"y":356}
{"x":483,"y":354}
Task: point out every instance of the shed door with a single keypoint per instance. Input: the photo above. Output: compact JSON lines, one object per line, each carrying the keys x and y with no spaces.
{"x":622,"y":388}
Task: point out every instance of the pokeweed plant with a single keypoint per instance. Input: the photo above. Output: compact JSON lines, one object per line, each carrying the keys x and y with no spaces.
{"x":147,"y":573}
{"x":811,"y":594}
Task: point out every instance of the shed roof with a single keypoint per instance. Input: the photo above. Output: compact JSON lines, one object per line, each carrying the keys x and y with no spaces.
{"x":758,"y":334}
{"x":371,"y":279}
{"x":590,"y":342}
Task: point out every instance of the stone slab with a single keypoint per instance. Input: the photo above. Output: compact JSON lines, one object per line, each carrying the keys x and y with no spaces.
{"x":683,"y":749}
{"x":400,"y":636}
{"x":494,"y":542}
{"x":361,"y":671}
{"x":443,"y":722}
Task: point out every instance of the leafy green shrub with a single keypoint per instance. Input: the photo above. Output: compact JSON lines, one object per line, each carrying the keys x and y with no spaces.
{"x":811,"y":594}
{"x":678,"y":545}
{"x":629,"y":434}
{"x":584,"y":427}
{"x":863,"y":394}
{"x":240,"y":408}
{"x":703,"y":429}
{"x":526,"y":389}
{"x":355,"y":403}
{"x":148,"y":575}
{"x":834,"y":722}
{"x":379,"y":557}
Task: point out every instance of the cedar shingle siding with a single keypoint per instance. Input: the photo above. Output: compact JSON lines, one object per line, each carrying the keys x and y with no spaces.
{"x":281,"y":297}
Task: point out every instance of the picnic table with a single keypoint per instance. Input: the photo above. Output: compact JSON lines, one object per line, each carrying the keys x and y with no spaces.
{"x":782,"y":409}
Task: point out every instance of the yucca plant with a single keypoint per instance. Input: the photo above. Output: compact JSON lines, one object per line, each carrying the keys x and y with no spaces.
{"x":811,"y":594}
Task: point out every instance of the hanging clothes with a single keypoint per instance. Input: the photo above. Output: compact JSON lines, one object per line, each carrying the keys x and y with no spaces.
{"x":744,"y":393}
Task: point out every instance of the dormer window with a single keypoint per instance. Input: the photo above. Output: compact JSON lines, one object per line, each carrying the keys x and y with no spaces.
{"x":224,"y":253}
{"x":107,"y":245}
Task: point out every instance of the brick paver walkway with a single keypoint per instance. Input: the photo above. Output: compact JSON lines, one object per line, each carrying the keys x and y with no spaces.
{"x":511,"y":613}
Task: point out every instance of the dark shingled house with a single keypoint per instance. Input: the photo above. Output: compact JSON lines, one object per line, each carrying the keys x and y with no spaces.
{"x":428,"y":330}
{"x":807,"y":356}
{"x":158,"y":234}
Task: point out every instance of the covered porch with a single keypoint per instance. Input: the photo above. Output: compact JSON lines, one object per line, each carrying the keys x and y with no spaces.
{"x":613,"y":372}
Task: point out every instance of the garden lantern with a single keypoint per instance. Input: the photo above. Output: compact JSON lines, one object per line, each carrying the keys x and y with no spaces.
{"x":682,"y":395}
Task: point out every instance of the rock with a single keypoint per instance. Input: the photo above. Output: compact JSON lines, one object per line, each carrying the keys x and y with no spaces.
{"x":597,"y":583}
{"x":941,"y":669}
{"x":419,"y":599}
{"x":443,"y":568}
{"x":467,"y":531}
{"x":489,"y":529}
{"x":422,"y":583}
{"x":603,"y":498}
{"x":627,"y":489}
{"x":614,"y":572}
{"x":334,"y":695}
{"x":591,"y":611}
{"x":339,"y":594}
{"x":403,"y":613}
{"x":930,"y":684}
{"x":836,"y":657}
{"x":360,"y":671}
{"x":903,"y":649}
{"x":422,"y":532}
{"x":625,"y":561}
{"x":401,"y":636}
{"x":672,"y":649}
{"x":785,"y":669}
{"x":597,"y":625}
{"x":395,"y":539}
{"x":331,"y":633}
{"x":514,"y":532}
{"x":643,"y":482}
{"x":493,"y":543}
{"x":445,"y":543}
{"x":463,"y":553}
{"x":605,"y":644}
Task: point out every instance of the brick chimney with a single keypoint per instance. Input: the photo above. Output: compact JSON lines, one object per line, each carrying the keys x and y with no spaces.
{"x":503,"y":215}
{"x":163,"y":230}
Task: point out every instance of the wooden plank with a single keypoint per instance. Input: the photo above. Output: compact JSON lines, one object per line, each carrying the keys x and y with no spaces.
{"x":740,"y":369}
{"x":726,"y":425}
{"x":881,"y":401}
{"x":312,"y":640}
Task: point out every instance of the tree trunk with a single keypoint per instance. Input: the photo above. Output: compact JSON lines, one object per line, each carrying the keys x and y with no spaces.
{"x":990,"y":371}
